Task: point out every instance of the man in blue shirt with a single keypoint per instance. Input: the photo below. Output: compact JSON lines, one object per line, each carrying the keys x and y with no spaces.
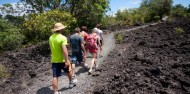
{"x":78,"y":50}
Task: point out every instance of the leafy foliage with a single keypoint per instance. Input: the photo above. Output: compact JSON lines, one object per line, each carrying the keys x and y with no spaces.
{"x":156,"y":8}
{"x":179,"y":11}
{"x":107,"y":21}
{"x":38,"y":27}
{"x":119,"y":37}
{"x":130,"y":16}
{"x":44,"y":5}
{"x":87,"y":12}
{"x":16,"y":20}
{"x":178,"y":30}
{"x":3,"y":72}
{"x":7,"y":9}
{"x":10,"y":36}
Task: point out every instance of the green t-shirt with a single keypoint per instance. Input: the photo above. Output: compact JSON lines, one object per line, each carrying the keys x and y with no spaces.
{"x":56,"y":41}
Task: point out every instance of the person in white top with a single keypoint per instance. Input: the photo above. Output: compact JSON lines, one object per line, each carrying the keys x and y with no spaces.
{"x":100,"y":34}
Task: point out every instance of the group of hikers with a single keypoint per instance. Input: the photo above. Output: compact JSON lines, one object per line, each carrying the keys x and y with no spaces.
{"x":80,"y":43}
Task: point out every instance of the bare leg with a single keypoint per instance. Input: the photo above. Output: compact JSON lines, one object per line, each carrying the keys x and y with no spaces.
{"x":70,"y":76}
{"x":100,"y":53}
{"x":84,"y":61}
{"x":71,"y":83}
{"x":55,"y":84}
{"x":93,"y":60}
{"x":73,"y":69}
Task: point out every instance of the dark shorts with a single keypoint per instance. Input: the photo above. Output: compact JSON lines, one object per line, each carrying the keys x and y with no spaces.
{"x":77,"y":57}
{"x":100,"y":42}
{"x":57,"y":67}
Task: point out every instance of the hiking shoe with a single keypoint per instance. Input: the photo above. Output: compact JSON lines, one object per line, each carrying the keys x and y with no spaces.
{"x":58,"y":93}
{"x":96,"y":66}
{"x":100,"y":56}
{"x":72,"y":84}
{"x":90,"y":72}
{"x":85,"y":66}
{"x":74,"y":79}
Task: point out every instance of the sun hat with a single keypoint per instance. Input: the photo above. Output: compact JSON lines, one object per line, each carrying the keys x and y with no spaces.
{"x":58,"y":26}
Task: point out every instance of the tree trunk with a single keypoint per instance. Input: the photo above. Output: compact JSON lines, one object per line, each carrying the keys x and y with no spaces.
{"x":160,"y":17}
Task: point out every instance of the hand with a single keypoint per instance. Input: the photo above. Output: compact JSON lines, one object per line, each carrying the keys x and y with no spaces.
{"x":84,"y":55}
{"x":67,"y":63}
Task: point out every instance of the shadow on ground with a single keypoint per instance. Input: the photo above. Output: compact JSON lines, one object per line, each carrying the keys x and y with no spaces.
{"x":45,"y":90}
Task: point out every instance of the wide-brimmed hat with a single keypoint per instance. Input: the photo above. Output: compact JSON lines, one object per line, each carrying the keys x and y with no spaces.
{"x":58,"y":26}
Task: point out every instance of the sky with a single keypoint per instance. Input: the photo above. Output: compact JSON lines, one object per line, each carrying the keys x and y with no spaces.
{"x":116,"y":5}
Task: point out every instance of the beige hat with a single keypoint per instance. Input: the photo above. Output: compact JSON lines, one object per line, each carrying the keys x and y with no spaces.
{"x":58,"y":26}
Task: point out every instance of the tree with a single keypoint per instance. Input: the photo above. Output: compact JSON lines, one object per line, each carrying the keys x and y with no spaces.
{"x":87,"y":12}
{"x":158,"y":7}
{"x":7,"y":9}
{"x":16,"y":20}
{"x":189,"y":8}
{"x":179,"y":10}
{"x":130,"y":16}
{"x":45,"y":5}
{"x":38,"y":26}
{"x":10,"y":36}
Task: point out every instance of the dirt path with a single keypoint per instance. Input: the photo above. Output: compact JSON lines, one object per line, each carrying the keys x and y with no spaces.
{"x":43,"y":84}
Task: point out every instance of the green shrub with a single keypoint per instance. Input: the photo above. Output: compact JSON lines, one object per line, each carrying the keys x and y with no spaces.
{"x":178,"y":30}
{"x":12,"y":41}
{"x":10,"y":36}
{"x":119,"y":37}
{"x":38,"y":27}
{"x":3,"y":72}
{"x":107,"y":21}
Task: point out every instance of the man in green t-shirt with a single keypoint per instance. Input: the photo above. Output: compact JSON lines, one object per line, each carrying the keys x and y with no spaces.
{"x":59,"y":56}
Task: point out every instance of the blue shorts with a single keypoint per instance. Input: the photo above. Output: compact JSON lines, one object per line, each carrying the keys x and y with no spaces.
{"x":76,"y":57}
{"x":57,"y":67}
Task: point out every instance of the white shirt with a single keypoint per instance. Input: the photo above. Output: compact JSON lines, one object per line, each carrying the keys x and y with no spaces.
{"x":99,"y":32}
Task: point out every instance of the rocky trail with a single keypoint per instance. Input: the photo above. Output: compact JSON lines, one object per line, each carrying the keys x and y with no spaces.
{"x":151,"y":60}
{"x":30,"y":71}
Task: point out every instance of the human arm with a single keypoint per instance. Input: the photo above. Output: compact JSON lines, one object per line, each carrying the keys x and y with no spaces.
{"x":82,"y":46}
{"x":99,"y":44}
{"x":101,"y":35}
{"x":65,"y":52}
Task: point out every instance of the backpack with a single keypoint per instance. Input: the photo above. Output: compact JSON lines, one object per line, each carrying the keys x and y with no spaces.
{"x":91,"y":42}
{"x":84,"y":35}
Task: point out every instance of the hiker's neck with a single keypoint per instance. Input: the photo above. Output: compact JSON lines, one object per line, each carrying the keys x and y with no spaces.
{"x":58,"y":32}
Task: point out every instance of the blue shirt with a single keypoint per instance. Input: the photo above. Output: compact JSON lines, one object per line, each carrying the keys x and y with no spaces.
{"x":75,"y":42}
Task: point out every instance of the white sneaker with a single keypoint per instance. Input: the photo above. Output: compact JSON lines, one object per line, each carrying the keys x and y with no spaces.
{"x":74,"y":79}
{"x":85,"y":66}
{"x":90,"y":72}
{"x":58,"y":92}
{"x":95,"y":67}
{"x":72,"y":84}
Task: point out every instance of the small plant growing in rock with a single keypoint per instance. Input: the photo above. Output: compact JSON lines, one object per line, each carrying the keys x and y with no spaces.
{"x":3,"y":72}
{"x":178,"y":30}
{"x":119,"y":37}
